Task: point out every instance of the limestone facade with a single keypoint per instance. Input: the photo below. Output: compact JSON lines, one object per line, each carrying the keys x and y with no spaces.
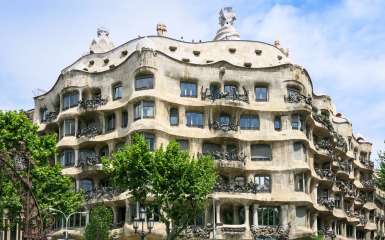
{"x":290,"y":164}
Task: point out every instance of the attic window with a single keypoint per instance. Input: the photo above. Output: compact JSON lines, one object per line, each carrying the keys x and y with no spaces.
{"x":196,"y":53}
{"x":232,"y":50}
{"x":209,"y":61}
{"x":258,"y":52}
{"x":106,"y":60}
{"x":112,"y":66}
{"x":91,"y":62}
{"x":247,"y":64}
{"x":172,"y":48}
{"x":85,"y":69}
{"x":185,"y":60}
{"x":124,"y":53}
{"x":279,"y":57}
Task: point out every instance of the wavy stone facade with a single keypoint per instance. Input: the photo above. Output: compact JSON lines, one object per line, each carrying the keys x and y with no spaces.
{"x":290,"y":165}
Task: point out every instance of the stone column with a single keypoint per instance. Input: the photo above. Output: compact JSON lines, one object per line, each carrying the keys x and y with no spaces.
{"x":247,"y":216}
{"x":115,"y":214}
{"x":77,"y":130}
{"x":76,"y":156}
{"x":354,"y":232}
{"x":128,"y":212}
{"x":206,"y":216}
{"x":284,"y":212}
{"x":255,"y":215}
{"x":118,"y":119}
{"x":315,"y":223}
{"x":218,"y":212}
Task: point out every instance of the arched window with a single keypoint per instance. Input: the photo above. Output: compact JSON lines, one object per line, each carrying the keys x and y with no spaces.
{"x":144,"y":81}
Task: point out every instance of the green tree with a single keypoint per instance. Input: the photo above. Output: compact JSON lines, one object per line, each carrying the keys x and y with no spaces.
{"x":380,"y":178}
{"x":178,"y":184}
{"x":49,"y":186}
{"x":100,"y":220}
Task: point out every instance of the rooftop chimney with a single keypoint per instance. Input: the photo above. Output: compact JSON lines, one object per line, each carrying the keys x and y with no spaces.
{"x":227,"y":30}
{"x":102,"y":43}
{"x":161,"y":29}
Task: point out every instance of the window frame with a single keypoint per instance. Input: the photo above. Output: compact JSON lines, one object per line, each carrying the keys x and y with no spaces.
{"x":116,"y":96}
{"x":269,"y":158}
{"x":63,"y":158}
{"x":275,"y":220}
{"x":109,"y":128}
{"x":72,"y":127}
{"x":72,"y":98}
{"x":249,"y":118}
{"x":257,"y":181}
{"x":277,"y":120}
{"x":190,"y":123}
{"x":142,"y":77}
{"x":182,"y":92}
{"x":139,"y":109}
{"x":266,"y":94}
{"x":174,"y":114}
{"x":124,"y":119}
{"x":300,"y":182}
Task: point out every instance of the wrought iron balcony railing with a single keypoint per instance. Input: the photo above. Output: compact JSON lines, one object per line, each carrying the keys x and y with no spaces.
{"x":368,"y":183}
{"x":296,"y":97}
{"x":325,"y":144}
{"x":49,"y":117}
{"x":327,"y":174}
{"x":196,"y":232}
{"x":88,"y":160}
{"x":363,"y":220}
{"x":236,"y":187}
{"x":92,"y":104}
{"x":270,"y":232}
{"x":326,"y":202}
{"x":233,"y":230}
{"x":227,"y":156}
{"x":323,"y":120}
{"x":89,"y":132}
{"x":102,"y":193}
{"x":327,"y":232}
{"x":224,"y":126}
{"x":234,"y":96}
{"x":367,"y":163}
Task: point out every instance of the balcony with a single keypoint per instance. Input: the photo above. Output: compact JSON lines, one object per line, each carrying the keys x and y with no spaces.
{"x":344,"y":186}
{"x":230,"y":159}
{"x":224,"y":126}
{"x":229,"y":229}
{"x":324,"y":144}
{"x":50,"y":117}
{"x":327,"y":232}
{"x":235,"y":96}
{"x":325,"y":174}
{"x":88,"y":159}
{"x":102,"y":193}
{"x":92,"y":104}
{"x":296,"y":97}
{"x":197,"y":232}
{"x":328,"y":203}
{"x":89,"y":132}
{"x":239,"y":187}
{"x":270,"y":232}
{"x":362,"y":219}
{"x":368,"y":183}
{"x":323,"y":120}
{"x":351,"y":213}
{"x":367,"y":163}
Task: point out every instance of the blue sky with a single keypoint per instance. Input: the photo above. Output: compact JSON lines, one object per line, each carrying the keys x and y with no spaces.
{"x":340,"y":43}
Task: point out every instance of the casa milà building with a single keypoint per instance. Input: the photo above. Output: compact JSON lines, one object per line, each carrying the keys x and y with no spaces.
{"x":290,"y":165}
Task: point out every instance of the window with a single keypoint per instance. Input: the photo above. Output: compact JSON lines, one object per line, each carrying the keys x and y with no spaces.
{"x":144,"y":82}
{"x":183,"y":144}
{"x":277,"y":123}
{"x":124,"y":119}
{"x":300,"y":216}
{"x":300,"y":181}
{"x":103,"y":152}
{"x":144,"y":109}
{"x":371,"y":215}
{"x":86,"y":185}
{"x":261,"y":94}
{"x":43,"y":115}
{"x":337,"y":201}
{"x":213,"y":149}
{"x":117,"y":91}
{"x":249,"y":122}
{"x":188,"y":89}
{"x":194,"y":119}
{"x":174,"y":117}
{"x":69,"y":127}
{"x":299,"y":151}
{"x":260,"y":152}
{"x":150,"y":139}
{"x":297,"y":122}
{"x":214,"y":89}
{"x":119,"y":146}
{"x":70,"y":99}
{"x":292,"y":92}
{"x":268,"y":216}
{"x":110,"y":122}
{"x":263,"y":183}
{"x":67,"y":158}
{"x":230,"y":90}
{"x":87,"y":156}
{"x":224,"y":119}
{"x":349,"y":230}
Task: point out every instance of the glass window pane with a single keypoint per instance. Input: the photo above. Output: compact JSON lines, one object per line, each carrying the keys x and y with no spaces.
{"x":148,"y":109}
{"x":150,"y":139}
{"x":174,"y":117}
{"x":261,"y":93}
{"x":230,"y":89}
{"x":277,"y":123}
{"x":137,"y":111}
{"x":295,"y":121}
{"x":194,"y":119}
{"x":188,"y":89}
{"x":69,"y":127}
{"x":249,"y":122}
{"x":260,"y":152}
{"x":124,"y":119}
{"x":183,"y":144}
{"x":144,"y":82}
{"x":86,"y":185}
{"x":117,"y":92}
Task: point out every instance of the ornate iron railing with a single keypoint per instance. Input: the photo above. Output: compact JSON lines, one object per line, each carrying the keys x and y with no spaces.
{"x":362,"y":219}
{"x":367,"y":163}
{"x":89,"y":132}
{"x":50,"y":117}
{"x":326,"y":202}
{"x":296,"y":97}
{"x":327,"y":174}
{"x":323,"y":120}
{"x":88,"y":160}
{"x":197,"y":232}
{"x":235,"y":187}
{"x":233,"y":230}
{"x":325,"y":144}
{"x":226,"y":127}
{"x":327,"y":232}
{"x":102,"y":193}
{"x":368,"y":183}
{"x":234,"y":96}
{"x":227,"y":156}
{"x":270,"y":232}
{"x":92,"y":104}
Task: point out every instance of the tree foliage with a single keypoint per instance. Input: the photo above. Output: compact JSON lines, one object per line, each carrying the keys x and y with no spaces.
{"x":381,"y":171}
{"x":178,"y":185}
{"x":49,"y":186}
{"x":98,"y":226}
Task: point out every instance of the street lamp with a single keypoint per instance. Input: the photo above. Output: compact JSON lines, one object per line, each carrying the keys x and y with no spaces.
{"x":140,"y":220}
{"x":66,"y":218}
